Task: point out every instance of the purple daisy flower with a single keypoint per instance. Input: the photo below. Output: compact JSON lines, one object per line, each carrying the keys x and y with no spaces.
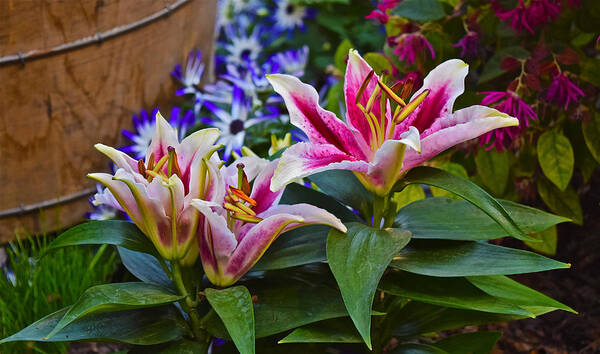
{"x":190,"y":79}
{"x":143,"y":132}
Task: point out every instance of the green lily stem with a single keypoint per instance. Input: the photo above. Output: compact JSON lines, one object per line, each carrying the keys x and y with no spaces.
{"x":188,"y":305}
{"x":383,"y":212}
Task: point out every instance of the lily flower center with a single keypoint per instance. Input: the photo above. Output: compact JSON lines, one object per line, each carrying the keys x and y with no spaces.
{"x":237,"y":202}
{"x":156,"y":169}
{"x":380,"y":131}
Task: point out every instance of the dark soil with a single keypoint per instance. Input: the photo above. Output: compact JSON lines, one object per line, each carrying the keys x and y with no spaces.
{"x":577,"y":287}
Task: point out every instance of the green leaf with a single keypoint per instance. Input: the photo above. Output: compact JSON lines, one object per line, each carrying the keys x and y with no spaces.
{"x":415,"y":348}
{"x":505,"y":288}
{"x":448,"y":292}
{"x":141,"y":327}
{"x":420,"y":10}
{"x":234,"y":307}
{"x":565,"y":203}
{"x":492,"y":68}
{"x":590,"y":71}
{"x":343,"y":186}
{"x":145,"y":267}
{"x":335,"y":98}
{"x":591,"y":135}
{"x":111,"y":232}
{"x":582,"y":39}
{"x":468,"y":191}
{"x":493,"y":167}
{"x":409,"y":194}
{"x":295,"y":194}
{"x":455,"y":169}
{"x":357,"y":260}
{"x":442,"y":218}
{"x":379,"y":63}
{"x":417,"y":318}
{"x":556,"y":158}
{"x":338,"y":330}
{"x":115,"y":297}
{"x":294,"y":248}
{"x":464,"y":258}
{"x":548,"y":242}
{"x":341,"y":53}
{"x":283,"y":305}
{"x":470,"y":343}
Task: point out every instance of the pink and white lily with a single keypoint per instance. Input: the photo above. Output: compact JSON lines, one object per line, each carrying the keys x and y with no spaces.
{"x":156,"y":192}
{"x":373,"y":140}
{"x":243,"y":221}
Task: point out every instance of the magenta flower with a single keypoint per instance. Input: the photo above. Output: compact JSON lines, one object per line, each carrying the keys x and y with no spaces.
{"x":410,"y":45}
{"x":511,"y":104}
{"x":241,"y":222}
{"x":522,"y":17}
{"x":563,"y":91}
{"x":469,"y":45}
{"x":156,"y":192}
{"x":373,"y":141}
{"x":380,"y":13}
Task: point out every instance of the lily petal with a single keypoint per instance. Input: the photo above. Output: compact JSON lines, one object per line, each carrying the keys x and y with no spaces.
{"x":219,"y":239}
{"x":261,"y":189}
{"x":320,"y":125}
{"x":200,"y":142}
{"x":254,"y":244}
{"x":446,"y":82}
{"x":119,"y":158}
{"x":304,"y":159}
{"x":309,"y":213}
{"x":164,"y":136}
{"x":356,"y":72}
{"x":463,"y":125}
{"x":387,"y":164}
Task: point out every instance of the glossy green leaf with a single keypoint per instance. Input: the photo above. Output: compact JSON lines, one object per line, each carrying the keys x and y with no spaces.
{"x":420,"y":10}
{"x":409,"y":194}
{"x":470,"y":343}
{"x":468,"y":191}
{"x":565,"y":203}
{"x":455,"y":169}
{"x":416,"y":348}
{"x":556,"y":158}
{"x":447,"y":292}
{"x":492,"y":69}
{"x":295,"y":194}
{"x":493,"y":167}
{"x":283,"y":305}
{"x":341,"y":54}
{"x":234,"y":307}
{"x":442,"y":218}
{"x":548,"y":239}
{"x":335,"y":98}
{"x":111,"y":232}
{"x":338,"y":330}
{"x":357,"y":260}
{"x":115,"y":297}
{"x":418,"y":318}
{"x":505,"y":288}
{"x":591,"y":135}
{"x":464,"y":258}
{"x":343,"y":186}
{"x":145,"y":267}
{"x":142,"y":327}
{"x":379,"y":63}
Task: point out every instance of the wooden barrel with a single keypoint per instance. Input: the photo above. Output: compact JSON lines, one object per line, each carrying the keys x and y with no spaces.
{"x":72,"y":73}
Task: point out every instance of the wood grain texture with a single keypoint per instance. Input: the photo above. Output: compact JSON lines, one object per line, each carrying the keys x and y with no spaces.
{"x":53,"y":109}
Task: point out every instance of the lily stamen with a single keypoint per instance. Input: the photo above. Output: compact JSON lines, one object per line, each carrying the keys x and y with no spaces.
{"x":173,"y":166}
{"x":240,"y":194}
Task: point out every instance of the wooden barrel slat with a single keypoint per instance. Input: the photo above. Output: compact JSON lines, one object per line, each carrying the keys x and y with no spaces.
{"x":55,"y":108}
